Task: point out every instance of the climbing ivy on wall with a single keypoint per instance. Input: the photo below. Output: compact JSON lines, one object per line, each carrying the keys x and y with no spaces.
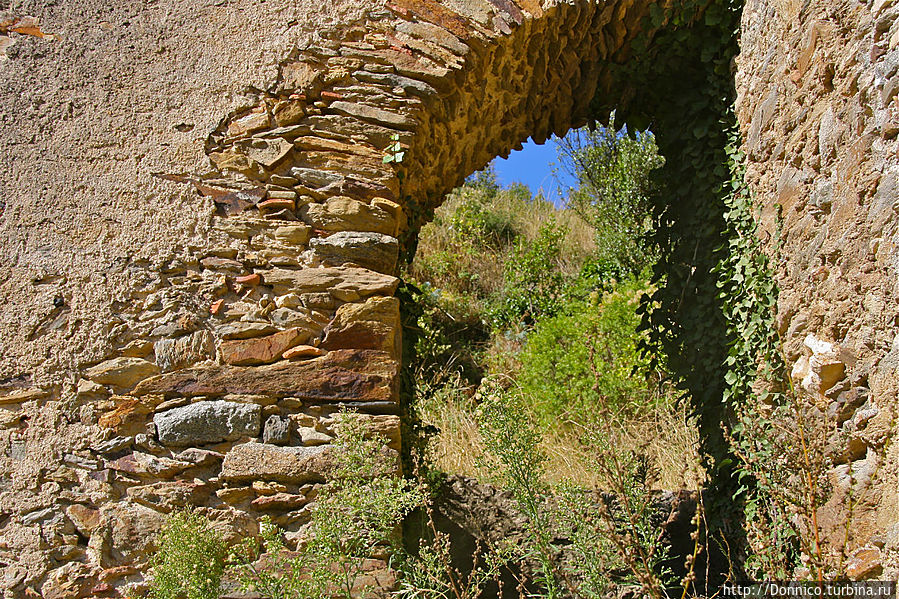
{"x":710,"y":318}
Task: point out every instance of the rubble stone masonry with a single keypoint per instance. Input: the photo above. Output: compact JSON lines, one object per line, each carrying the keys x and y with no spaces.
{"x":201,"y":237}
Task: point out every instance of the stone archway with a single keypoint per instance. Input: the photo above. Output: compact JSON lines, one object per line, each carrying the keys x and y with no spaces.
{"x":231,"y":408}
{"x":222,"y":385}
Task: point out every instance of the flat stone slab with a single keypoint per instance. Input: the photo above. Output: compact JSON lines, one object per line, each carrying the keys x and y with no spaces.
{"x":121,"y":372}
{"x":342,"y":213}
{"x":360,"y":281}
{"x":346,"y":375}
{"x":375,"y":251}
{"x":262,"y":350}
{"x":263,"y":461}
{"x":208,"y":422}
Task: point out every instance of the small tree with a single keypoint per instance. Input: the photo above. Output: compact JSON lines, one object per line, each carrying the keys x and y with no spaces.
{"x":613,"y":169}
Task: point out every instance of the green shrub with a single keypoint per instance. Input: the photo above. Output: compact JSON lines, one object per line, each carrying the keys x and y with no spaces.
{"x":534,"y":285}
{"x":586,"y":359}
{"x":357,"y":515}
{"x":190,"y":560}
{"x":613,"y":169}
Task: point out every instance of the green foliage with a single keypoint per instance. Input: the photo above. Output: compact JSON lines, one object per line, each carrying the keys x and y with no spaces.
{"x":748,"y":293}
{"x":685,"y":82}
{"x":587,"y":359}
{"x":512,"y":442}
{"x":190,"y":560}
{"x":534,"y":286}
{"x":614,"y":185}
{"x":394,"y":152}
{"x":476,"y":222}
{"x":359,"y":513}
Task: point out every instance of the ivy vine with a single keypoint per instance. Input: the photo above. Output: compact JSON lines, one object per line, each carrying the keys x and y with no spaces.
{"x":710,"y":320}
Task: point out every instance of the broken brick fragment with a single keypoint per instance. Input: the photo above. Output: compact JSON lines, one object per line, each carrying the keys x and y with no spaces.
{"x":249,"y":280}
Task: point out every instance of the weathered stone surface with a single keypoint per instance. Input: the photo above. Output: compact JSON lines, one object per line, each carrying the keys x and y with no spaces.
{"x":121,"y":372}
{"x":71,"y":581}
{"x":387,"y":426}
{"x":199,"y":457}
{"x":286,"y":317}
{"x":126,"y":415}
{"x":866,"y":563}
{"x":235,"y":525}
{"x":375,"y":115}
{"x":346,"y":214}
{"x":342,"y":375}
{"x":262,"y":350}
{"x":22,"y":395}
{"x":341,"y":280}
{"x":87,"y":390}
{"x":303,"y":351}
{"x":84,"y":518}
{"x":252,"y":461}
{"x":822,"y":369}
{"x":169,"y":495}
{"x":184,"y":351}
{"x":267,"y":487}
{"x":245,"y":330}
{"x":301,"y":74}
{"x":374,"y":324}
{"x":276,"y":430}
{"x":233,"y":159}
{"x":235,"y":495}
{"x":207,"y":422}
{"x":311,"y":437}
{"x":267,"y":152}
{"x":250,"y":280}
{"x":374,"y":251}
{"x":226,"y":264}
{"x":253,"y":121}
{"x":279,"y":501}
{"x":298,"y":234}
{"x":132,"y":530}
{"x":144,"y":464}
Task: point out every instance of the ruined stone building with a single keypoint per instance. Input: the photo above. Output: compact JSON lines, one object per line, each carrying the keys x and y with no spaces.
{"x":201,"y":237}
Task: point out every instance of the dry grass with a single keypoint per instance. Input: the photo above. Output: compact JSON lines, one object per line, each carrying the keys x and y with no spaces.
{"x":448,"y":261}
{"x":669,"y":439}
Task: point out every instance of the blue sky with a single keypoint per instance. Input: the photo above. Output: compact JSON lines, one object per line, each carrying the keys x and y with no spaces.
{"x":533,"y":166}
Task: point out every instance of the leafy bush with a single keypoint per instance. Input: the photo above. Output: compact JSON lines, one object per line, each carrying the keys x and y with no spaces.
{"x":357,"y":515}
{"x":190,"y":560}
{"x":586,"y":359}
{"x":613,"y":169}
{"x":534,"y":285}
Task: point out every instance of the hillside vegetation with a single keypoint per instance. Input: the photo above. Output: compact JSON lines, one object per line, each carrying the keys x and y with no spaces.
{"x":533,"y":371}
{"x":543,"y":302}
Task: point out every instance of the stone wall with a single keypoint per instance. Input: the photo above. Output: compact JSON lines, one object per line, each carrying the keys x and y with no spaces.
{"x":202,"y":236}
{"x":819,"y":114}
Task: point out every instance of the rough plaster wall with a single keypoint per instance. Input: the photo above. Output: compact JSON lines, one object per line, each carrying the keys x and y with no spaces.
{"x":130,"y":89}
{"x":818,"y":110}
